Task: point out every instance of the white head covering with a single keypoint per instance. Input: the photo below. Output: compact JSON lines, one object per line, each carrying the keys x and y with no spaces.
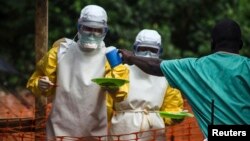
{"x":148,"y":37}
{"x":93,"y":16}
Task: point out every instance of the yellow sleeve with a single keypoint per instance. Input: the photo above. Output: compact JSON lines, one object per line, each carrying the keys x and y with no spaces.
{"x":173,"y":102}
{"x":45,"y":67}
{"x":122,"y":72}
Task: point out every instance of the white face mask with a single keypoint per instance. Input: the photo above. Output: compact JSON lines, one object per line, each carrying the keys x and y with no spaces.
{"x":147,"y":54}
{"x":89,"y":42}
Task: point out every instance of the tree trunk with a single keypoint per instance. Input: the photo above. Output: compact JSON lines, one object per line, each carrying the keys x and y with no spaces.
{"x":41,"y":47}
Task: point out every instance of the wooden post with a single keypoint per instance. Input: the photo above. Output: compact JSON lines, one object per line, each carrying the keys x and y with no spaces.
{"x":41,"y":28}
{"x":41,"y":47}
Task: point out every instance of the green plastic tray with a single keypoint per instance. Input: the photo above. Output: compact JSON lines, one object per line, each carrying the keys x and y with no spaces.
{"x":110,"y":82}
{"x":173,"y":115}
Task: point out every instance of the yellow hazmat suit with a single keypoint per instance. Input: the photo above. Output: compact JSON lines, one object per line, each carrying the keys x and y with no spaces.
{"x":134,"y":107}
{"x":79,"y":107}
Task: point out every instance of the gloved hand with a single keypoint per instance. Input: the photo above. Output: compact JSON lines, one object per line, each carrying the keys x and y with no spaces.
{"x":115,"y":94}
{"x":44,"y":83}
{"x":111,"y":89}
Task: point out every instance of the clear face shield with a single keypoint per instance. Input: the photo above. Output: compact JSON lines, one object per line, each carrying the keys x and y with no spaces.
{"x":91,"y":33}
{"x":147,"y":49}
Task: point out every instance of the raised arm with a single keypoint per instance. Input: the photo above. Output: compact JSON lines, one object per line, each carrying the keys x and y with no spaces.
{"x":148,"y":65}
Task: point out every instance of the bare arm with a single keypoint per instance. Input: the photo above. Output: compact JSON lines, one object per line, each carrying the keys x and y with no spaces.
{"x":148,"y":65}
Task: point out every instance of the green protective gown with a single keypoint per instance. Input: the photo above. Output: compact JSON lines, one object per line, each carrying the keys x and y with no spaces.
{"x":222,"y":77}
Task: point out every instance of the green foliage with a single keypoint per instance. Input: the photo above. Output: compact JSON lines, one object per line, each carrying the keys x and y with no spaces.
{"x":185,"y":26}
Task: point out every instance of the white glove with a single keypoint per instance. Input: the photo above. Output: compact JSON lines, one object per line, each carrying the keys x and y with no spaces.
{"x":44,"y":83}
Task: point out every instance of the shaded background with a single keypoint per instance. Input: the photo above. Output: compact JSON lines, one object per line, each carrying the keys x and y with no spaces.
{"x":185,"y":27}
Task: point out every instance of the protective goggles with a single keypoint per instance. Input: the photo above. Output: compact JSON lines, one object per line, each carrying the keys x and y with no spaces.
{"x":148,"y":46}
{"x":97,"y":32}
{"x":150,"y":49}
{"x":96,"y":28}
{"x":147,"y":54}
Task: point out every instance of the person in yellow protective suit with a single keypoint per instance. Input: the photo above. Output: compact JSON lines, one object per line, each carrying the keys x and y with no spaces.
{"x":66,"y":71}
{"x":146,"y":95}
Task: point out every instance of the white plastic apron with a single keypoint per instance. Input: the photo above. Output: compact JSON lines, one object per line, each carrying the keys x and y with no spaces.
{"x":137,"y":112}
{"x":79,"y":106}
